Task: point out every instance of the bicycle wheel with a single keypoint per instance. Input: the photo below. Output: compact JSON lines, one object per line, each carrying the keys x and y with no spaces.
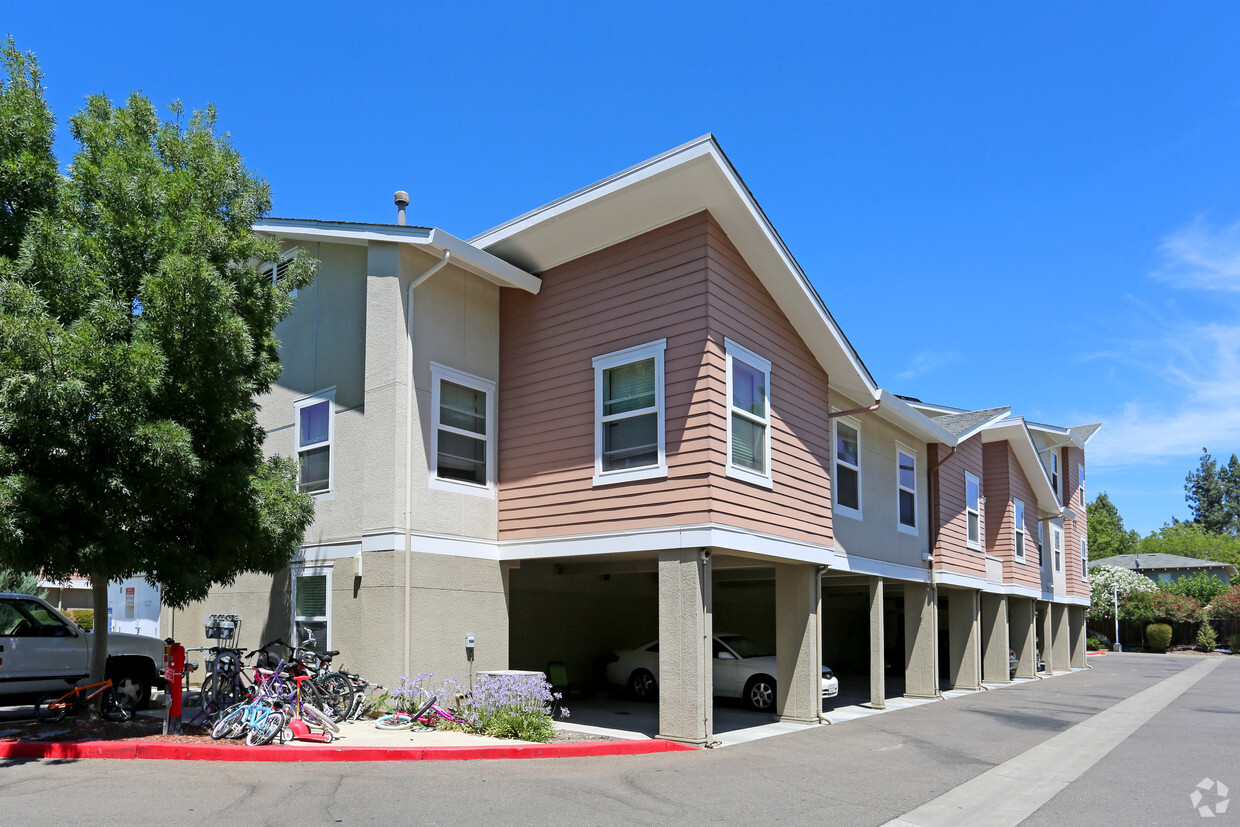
{"x":338,"y":692}
{"x":51,"y":715}
{"x":264,"y":732}
{"x":318,"y":717}
{"x":116,"y":706}
{"x":397,"y":720}
{"x":231,"y":725}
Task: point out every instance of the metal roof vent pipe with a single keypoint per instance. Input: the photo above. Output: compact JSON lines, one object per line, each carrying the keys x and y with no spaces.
{"x":402,"y":200}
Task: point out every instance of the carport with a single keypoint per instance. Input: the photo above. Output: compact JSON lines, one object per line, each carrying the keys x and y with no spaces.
{"x":578,"y":610}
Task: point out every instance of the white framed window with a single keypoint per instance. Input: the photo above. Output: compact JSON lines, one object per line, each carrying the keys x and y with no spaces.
{"x":1055,"y":475}
{"x":906,"y":489}
{"x":848,"y":468}
{"x":1018,"y":511}
{"x":276,"y":270}
{"x":1057,"y":548}
{"x":973,"y":509}
{"x":462,"y":432}
{"x":749,"y":415}
{"x":630,"y":424}
{"x":312,"y":606}
{"x":314,"y":435}
{"x":1080,"y":481}
{"x":1084,"y":560}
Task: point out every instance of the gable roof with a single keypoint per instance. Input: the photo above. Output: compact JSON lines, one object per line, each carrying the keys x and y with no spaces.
{"x":688,"y":179}
{"x":964,"y":424}
{"x":1015,"y":432}
{"x":1164,"y":562}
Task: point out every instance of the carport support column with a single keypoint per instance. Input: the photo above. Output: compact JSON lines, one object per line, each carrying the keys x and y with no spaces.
{"x":995,"y":647}
{"x":965,"y":661}
{"x":920,"y":633}
{"x":1046,"y":633}
{"x":1024,"y":621}
{"x":1076,"y":631}
{"x":685,"y":669}
{"x":798,"y":678}
{"x":878,"y":679}
{"x":1059,"y":638}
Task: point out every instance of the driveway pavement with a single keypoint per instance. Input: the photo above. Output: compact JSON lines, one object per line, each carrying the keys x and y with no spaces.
{"x":870,"y":770}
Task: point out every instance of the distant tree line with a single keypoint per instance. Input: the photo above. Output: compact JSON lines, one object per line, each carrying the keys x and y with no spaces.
{"x":1212,"y":492}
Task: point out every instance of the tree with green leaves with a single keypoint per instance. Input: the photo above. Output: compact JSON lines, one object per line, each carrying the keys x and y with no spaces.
{"x":136,"y":331}
{"x":1212,"y":495}
{"x":28,"y":176}
{"x":1191,"y":540}
{"x":1201,"y":586}
{"x":1105,"y":527}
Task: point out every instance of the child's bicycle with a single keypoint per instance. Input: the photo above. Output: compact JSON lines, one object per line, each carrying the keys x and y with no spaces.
{"x":430,"y":714}
{"x":115,"y":706}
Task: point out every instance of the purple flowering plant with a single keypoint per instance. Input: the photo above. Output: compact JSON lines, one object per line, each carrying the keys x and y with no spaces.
{"x":502,"y":706}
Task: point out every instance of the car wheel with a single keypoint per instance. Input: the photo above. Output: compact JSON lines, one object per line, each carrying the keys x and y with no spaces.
{"x":137,"y":690}
{"x":642,"y":685}
{"x":760,"y":693}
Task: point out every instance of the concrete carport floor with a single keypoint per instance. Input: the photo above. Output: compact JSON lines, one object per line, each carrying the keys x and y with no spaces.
{"x":864,"y":629}
{"x":578,"y":610}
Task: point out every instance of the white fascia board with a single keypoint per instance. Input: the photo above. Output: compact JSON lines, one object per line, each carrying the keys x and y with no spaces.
{"x":900,"y":413}
{"x":1016,"y":432}
{"x":1059,"y":436}
{"x":464,"y":255}
{"x":928,"y":408}
{"x":1002,"y":416}
{"x":682,"y":182}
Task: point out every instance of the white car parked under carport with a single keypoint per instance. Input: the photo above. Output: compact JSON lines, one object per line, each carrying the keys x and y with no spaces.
{"x":742,"y":669}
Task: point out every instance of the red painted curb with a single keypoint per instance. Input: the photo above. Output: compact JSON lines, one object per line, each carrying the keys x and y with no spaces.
{"x":1092,"y":654}
{"x":230,"y":752}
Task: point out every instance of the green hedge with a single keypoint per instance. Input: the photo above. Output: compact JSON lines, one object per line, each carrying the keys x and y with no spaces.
{"x":1158,"y":636}
{"x":82,"y":617}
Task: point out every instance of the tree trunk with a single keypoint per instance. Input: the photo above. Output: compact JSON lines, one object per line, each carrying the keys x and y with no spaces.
{"x":99,"y":646}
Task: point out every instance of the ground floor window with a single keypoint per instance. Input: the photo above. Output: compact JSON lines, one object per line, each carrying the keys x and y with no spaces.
{"x":312,"y":604}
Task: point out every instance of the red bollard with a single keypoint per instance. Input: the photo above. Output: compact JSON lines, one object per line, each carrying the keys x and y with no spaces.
{"x":174,"y":668}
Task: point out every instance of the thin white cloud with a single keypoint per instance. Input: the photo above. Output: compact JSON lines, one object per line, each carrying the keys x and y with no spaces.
{"x":926,"y":361}
{"x":1202,"y":256}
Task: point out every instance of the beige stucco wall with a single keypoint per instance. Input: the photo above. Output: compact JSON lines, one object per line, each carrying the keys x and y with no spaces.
{"x":449,"y":597}
{"x":877,"y":536}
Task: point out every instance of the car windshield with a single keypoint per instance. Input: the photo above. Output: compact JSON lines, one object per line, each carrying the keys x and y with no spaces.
{"x":745,"y":647}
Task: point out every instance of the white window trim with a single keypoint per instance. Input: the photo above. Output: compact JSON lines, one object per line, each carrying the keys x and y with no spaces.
{"x":271,"y":269}
{"x":733,"y":350}
{"x":1020,"y":550}
{"x":438,"y":374}
{"x":638,"y":353}
{"x":847,"y":511}
{"x":914,"y":529}
{"x":1056,"y":482}
{"x":1084,"y":560}
{"x":1080,"y":481}
{"x":328,"y":395}
{"x":1057,"y":548}
{"x":312,"y":570}
{"x":981,"y":530}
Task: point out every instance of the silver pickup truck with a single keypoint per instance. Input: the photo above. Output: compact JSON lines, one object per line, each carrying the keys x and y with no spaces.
{"x":43,"y":651}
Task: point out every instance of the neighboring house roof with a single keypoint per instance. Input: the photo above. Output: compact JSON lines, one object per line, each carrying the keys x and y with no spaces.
{"x":436,"y":241}
{"x":1164,"y":562}
{"x":688,"y":179}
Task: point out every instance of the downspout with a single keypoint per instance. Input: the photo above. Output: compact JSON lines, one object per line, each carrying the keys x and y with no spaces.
{"x":409,"y":399}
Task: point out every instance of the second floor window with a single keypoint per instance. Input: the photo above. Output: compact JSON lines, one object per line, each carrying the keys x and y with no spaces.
{"x":1057,"y":548}
{"x":848,"y":468}
{"x":973,"y":509}
{"x":1084,"y":560}
{"x":628,"y":401}
{"x":749,"y":415}
{"x":906,"y":489}
{"x":1018,"y":509}
{"x":463,"y":429}
{"x":1055,"y":474}
{"x":314,"y":430}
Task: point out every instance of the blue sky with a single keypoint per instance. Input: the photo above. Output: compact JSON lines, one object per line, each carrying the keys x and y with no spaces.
{"x":1035,"y":205}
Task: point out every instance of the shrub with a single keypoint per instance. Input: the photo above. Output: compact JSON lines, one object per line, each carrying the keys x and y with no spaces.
{"x":1175,"y":608}
{"x":1207,"y":638}
{"x":1200,"y":586}
{"x":1158,"y":636}
{"x":502,"y":706}
{"x":82,"y":617}
{"x":1092,"y":643}
{"x":1233,"y":643}
{"x":1227,"y":605}
{"x":1103,"y":581}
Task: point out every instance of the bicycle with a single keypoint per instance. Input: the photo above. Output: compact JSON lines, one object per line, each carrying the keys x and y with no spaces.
{"x":115,"y":706}
{"x":429,"y":715}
